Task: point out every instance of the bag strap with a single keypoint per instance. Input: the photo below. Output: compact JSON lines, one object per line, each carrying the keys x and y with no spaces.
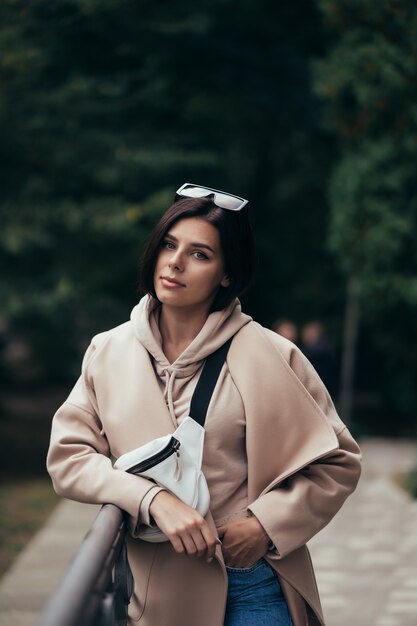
{"x":122,"y":586}
{"x":206,"y":383}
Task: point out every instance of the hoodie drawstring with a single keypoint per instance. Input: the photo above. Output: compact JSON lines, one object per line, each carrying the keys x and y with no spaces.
{"x":169,"y":385}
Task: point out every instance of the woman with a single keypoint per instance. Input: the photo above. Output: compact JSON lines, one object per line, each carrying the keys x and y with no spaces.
{"x":278,"y":461}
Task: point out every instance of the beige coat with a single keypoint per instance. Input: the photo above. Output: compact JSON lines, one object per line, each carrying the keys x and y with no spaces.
{"x":302,"y":464}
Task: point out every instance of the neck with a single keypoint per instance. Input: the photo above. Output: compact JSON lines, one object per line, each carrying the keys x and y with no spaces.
{"x":178,"y":328}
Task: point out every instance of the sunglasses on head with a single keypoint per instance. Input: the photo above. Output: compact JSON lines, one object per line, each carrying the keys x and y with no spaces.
{"x":221,"y":199}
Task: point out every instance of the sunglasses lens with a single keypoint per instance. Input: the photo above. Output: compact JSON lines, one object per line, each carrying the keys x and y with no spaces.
{"x":195,"y":192}
{"x":227,"y":202}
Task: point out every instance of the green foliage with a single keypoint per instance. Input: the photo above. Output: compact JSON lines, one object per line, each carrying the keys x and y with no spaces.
{"x":374,"y":221}
{"x":409,"y":482}
{"x":105,"y":108}
{"x":24,"y":507}
{"x":367,"y":81}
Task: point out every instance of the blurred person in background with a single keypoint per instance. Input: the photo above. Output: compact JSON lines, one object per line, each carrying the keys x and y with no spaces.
{"x":321,"y":352}
{"x":278,"y":461}
{"x":286,"y":328}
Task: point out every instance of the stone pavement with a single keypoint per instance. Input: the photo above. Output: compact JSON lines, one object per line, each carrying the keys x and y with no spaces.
{"x":365,"y":559}
{"x":37,"y":570}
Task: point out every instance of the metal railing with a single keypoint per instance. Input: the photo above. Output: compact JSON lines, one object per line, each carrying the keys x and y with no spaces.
{"x":88,"y":595}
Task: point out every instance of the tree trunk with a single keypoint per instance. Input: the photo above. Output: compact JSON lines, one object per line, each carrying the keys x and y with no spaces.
{"x":349,"y":350}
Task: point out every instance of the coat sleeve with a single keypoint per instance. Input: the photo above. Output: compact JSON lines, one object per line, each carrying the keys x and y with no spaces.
{"x":79,"y":461}
{"x":296,"y":509}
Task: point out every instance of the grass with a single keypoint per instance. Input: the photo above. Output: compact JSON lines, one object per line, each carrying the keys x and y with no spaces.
{"x":409,"y":482}
{"x":24,"y":507}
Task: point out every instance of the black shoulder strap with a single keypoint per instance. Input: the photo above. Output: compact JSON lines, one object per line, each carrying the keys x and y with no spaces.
{"x":122,"y":586}
{"x":206,"y":383}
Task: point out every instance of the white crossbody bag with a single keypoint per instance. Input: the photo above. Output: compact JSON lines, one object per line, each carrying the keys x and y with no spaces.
{"x":174,"y":460}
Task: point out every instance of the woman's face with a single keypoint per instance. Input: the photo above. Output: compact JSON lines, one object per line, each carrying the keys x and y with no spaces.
{"x":190,"y":267}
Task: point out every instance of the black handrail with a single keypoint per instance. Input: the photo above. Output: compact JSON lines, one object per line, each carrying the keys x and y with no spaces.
{"x":86,"y":595}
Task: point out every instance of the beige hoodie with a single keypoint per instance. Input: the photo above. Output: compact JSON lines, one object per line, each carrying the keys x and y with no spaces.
{"x":224,"y":461}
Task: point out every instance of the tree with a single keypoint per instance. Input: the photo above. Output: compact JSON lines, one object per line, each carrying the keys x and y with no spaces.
{"x":367,"y":81}
{"x":105,"y":108}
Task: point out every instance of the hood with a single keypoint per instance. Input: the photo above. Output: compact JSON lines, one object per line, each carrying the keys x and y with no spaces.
{"x":218,"y":328}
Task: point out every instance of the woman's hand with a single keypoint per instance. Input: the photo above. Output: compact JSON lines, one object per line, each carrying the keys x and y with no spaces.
{"x":244,"y":542}
{"x":187,"y":531}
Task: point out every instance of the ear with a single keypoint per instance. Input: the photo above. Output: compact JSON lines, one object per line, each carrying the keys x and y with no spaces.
{"x":225,"y":282}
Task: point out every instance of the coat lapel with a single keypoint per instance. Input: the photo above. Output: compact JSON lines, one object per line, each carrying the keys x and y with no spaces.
{"x":285,"y":431}
{"x":285,"y":428}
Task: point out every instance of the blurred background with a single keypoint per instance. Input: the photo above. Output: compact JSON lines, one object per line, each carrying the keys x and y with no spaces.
{"x":307,"y":108}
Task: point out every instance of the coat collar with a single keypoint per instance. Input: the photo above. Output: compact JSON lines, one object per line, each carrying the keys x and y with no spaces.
{"x":278,"y":408}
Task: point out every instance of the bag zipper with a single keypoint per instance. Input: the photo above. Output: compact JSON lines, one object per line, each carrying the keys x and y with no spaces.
{"x":172,"y":447}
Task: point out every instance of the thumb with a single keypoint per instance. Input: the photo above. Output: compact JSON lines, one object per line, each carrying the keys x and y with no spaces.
{"x":222,"y":531}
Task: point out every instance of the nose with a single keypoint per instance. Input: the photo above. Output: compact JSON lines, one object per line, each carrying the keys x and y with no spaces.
{"x":176,"y":262}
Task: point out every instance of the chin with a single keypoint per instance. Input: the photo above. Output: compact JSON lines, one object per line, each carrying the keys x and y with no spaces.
{"x":169,"y":297}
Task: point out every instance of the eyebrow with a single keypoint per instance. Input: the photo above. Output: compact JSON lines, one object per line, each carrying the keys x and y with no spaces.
{"x":195,"y":244}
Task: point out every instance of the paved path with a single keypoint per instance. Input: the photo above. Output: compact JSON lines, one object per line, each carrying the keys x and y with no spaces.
{"x":37,"y":570}
{"x":366,"y":559}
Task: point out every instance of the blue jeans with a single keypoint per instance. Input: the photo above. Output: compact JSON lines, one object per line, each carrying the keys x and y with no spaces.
{"x":255,"y":597}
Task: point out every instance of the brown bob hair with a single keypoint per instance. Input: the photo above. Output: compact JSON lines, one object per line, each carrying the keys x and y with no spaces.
{"x":236,"y":241}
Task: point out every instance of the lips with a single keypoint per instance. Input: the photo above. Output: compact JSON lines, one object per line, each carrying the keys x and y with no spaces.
{"x":172,"y":281}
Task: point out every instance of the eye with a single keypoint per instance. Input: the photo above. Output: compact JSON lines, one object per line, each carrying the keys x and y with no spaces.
{"x":200,"y":255}
{"x":167,"y":244}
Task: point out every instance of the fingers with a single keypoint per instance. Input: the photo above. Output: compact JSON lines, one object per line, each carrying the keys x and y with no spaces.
{"x":176,"y":543}
{"x":194,"y":544}
{"x":187,"y":531}
{"x":244,"y":542}
{"x":198,"y":540}
{"x":211,"y":541}
{"x":222,"y":529}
